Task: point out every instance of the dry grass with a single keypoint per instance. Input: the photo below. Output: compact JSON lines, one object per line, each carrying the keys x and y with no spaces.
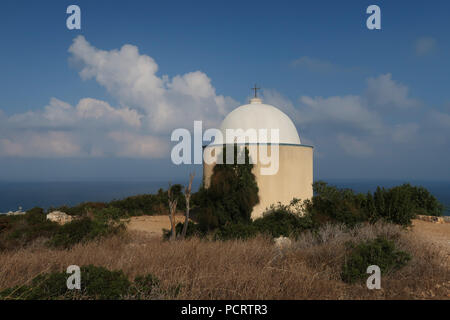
{"x":251,"y":269}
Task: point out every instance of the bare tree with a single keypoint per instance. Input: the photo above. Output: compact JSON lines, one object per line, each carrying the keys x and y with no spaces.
{"x":187,"y":195}
{"x":172,"y":209}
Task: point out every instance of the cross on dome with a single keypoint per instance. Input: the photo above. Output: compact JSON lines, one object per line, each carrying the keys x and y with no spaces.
{"x":255,"y":99}
{"x":256,"y":90}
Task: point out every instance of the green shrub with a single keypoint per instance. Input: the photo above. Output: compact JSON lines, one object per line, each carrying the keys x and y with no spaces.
{"x":150,"y":203}
{"x":28,"y":233}
{"x":401,"y":204}
{"x":108,"y":214}
{"x":101,"y":283}
{"x":146,"y":286}
{"x":44,"y":286}
{"x":397,"y":205}
{"x":394,"y":205}
{"x":423,"y":201}
{"x":83,"y":229}
{"x":80,"y":209}
{"x":72,"y":233}
{"x":380,"y":252}
{"x":280,"y":221}
{"x":5,"y":223}
{"x":96,"y":283}
{"x":35,"y":216}
{"x":17,"y":231}
{"x":236,"y":231}
{"x":231,"y":196}
{"x":331,"y":204}
{"x":137,"y":205}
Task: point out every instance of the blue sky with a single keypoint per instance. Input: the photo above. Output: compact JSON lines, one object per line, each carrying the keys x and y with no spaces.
{"x":375,"y":104}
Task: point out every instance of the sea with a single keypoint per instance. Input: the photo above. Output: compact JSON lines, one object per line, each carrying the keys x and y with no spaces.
{"x":57,"y":193}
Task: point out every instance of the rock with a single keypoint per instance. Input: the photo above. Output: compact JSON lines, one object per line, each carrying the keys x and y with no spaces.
{"x":282,"y":242}
{"x":59,"y":217}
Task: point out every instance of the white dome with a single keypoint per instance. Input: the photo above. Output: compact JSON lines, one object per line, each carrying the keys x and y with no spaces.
{"x":257,"y":115}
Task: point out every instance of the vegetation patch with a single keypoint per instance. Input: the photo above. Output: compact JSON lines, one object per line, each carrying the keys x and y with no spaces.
{"x":223,"y":211}
{"x":287,"y":221}
{"x":396,"y":205}
{"x":380,"y":252}
{"x":329,"y":205}
{"x":143,"y":204}
{"x":96,"y":283}
{"x":280,"y":220}
{"x":231,"y":196}
{"x":17,"y":231}
{"x":20,"y":231}
{"x":251,"y":269}
{"x":84,"y":229}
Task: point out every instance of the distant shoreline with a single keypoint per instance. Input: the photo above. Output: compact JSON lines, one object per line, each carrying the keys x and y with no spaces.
{"x":53,"y":194}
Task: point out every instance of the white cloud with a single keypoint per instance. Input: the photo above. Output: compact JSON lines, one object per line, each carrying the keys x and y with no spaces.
{"x":441,"y":119}
{"x":363,"y":114}
{"x":92,"y":128}
{"x":326,"y":115}
{"x":274,"y":98}
{"x":405,"y":132}
{"x":195,"y":84}
{"x":424,"y":46}
{"x":385,"y":92}
{"x":56,"y":111}
{"x":354,"y":146}
{"x":344,"y":111}
{"x":139,"y":146}
{"x":132,"y":78}
{"x":89,"y":108}
{"x":372,"y":123}
{"x":149,"y":107}
{"x":40,"y":144}
{"x":60,"y":114}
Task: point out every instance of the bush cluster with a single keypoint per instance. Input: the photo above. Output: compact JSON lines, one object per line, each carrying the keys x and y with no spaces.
{"x":19,"y":231}
{"x":224,"y":210}
{"x":80,"y":209}
{"x":16,"y":231}
{"x":329,"y":204}
{"x":397,"y":205}
{"x":81,"y":230}
{"x":279,"y":220}
{"x":231,"y":196}
{"x":148,"y":204}
{"x":91,"y":220}
{"x":381,"y":252}
{"x":285,"y":221}
{"x":96,"y":283}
